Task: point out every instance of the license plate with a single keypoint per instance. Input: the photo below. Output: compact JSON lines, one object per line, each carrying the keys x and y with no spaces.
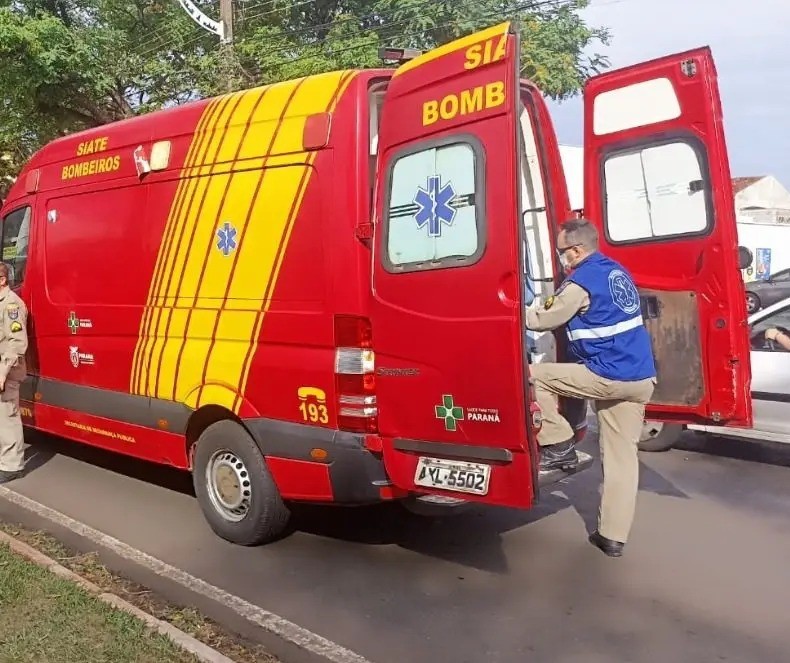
{"x":454,"y":475}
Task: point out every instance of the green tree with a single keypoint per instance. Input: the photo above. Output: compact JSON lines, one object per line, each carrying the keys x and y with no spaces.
{"x":66,"y":65}
{"x":307,"y":37}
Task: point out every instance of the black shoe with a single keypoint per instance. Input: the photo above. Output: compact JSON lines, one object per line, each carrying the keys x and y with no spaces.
{"x":609,"y":547}
{"x":558,"y":456}
{"x":5,"y":477}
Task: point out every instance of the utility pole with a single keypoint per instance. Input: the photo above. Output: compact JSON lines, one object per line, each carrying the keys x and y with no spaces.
{"x":224,"y":30}
{"x":226,"y":20}
{"x":228,"y":60}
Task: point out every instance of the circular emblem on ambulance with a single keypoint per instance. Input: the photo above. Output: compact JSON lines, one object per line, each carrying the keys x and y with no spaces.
{"x":623,"y":292}
{"x":74,"y":356}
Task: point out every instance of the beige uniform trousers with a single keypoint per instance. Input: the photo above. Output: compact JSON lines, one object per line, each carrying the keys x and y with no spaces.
{"x":13,"y":346}
{"x":12,"y":447}
{"x":620,"y":408}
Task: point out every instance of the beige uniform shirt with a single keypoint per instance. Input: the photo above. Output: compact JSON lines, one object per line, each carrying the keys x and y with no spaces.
{"x":13,"y":335}
{"x":557,"y":310}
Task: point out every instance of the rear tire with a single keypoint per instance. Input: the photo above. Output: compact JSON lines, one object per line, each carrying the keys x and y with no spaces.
{"x":234,"y":488}
{"x":658,"y":437}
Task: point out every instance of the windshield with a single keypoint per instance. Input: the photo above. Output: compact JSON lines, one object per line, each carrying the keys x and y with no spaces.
{"x":15,"y":237}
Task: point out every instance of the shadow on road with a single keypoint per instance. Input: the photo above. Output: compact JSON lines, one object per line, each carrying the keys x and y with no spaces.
{"x":472,"y":538}
{"x":554,"y":598}
{"x":755,"y":451}
{"x":44,"y":447}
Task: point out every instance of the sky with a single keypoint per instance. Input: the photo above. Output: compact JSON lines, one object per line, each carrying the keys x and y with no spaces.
{"x":750,"y":41}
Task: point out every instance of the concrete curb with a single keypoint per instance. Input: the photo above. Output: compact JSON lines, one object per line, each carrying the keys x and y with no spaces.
{"x":282,"y":637}
{"x":201,"y":651}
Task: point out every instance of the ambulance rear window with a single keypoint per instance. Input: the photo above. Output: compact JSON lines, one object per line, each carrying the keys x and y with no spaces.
{"x":656,"y":192}
{"x":434,"y":213}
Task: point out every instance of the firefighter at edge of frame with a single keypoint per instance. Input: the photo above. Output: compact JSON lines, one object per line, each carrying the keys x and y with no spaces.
{"x":13,"y":369}
{"x":599,"y":303}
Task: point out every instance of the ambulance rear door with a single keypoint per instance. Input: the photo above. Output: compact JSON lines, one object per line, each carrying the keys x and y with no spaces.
{"x":447,"y":312}
{"x":657,"y":184}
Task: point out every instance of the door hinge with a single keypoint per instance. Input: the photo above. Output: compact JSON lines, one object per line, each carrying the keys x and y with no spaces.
{"x":689,"y":68}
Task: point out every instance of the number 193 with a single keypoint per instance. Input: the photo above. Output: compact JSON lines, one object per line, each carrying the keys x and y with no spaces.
{"x":314,"y":413}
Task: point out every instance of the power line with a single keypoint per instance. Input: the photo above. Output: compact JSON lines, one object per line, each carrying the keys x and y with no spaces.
{"x":518,"y":7}
{"x":163,"y":31}
{"x":386,"y":17}
{"x":372,"y":34}
{"x":301,"y":3}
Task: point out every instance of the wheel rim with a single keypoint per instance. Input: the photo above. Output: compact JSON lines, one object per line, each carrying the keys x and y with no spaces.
{"x":651,"y":430}
{"x":229,"y":486}
{"x":751,"y":303}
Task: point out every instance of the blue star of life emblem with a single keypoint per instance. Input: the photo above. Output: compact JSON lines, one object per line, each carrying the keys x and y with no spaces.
{"x":623,"y":291}
{"x":435,"y":205}
{"x":226,"y":239}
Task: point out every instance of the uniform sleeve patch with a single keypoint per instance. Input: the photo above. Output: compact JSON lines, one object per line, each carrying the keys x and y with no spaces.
{"x":549,"y":303}
{"x":16,"y":326}
{"x":13,"y":311}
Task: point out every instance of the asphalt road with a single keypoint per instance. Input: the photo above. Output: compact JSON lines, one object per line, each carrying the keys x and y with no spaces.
{"x":706,"y":576}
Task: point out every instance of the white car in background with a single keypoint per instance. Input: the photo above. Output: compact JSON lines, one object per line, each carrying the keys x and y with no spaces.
{"x":770,"y":389}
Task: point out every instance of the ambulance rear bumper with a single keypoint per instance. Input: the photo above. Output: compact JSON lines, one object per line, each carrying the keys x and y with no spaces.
{"x":442,"y":505}
{"x":355,"y":475}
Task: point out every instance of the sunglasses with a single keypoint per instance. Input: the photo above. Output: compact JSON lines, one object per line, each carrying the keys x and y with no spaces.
{"x":561,"y":251}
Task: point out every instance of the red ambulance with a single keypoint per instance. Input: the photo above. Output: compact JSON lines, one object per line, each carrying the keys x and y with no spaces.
{"x":314,"y":291}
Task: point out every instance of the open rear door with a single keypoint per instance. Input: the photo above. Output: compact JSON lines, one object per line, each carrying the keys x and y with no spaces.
{"x":657,"y":184}
{"x":447,"y":314}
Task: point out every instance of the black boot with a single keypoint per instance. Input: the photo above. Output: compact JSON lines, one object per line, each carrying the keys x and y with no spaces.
{"x":558,"y":456}
{"x":5,"y":477}
{"x":608,"y":546}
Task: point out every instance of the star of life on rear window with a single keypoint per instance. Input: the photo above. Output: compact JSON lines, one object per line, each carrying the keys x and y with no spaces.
{"x":432,"y":214}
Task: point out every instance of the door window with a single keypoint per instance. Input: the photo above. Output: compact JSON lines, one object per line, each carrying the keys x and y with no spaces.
{"x":434,"y":212}
{"x":655,"y":192}
{"x":15,"y":239}
{"x":778,"y":320}
{"x":784,"y":275}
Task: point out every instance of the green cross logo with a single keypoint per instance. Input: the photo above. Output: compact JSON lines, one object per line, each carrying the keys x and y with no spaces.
{"x":74,"y":323}
{"x":450,"y":413}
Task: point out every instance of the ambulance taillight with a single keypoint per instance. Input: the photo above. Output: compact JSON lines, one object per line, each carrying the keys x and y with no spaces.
{"x":355,"y":379}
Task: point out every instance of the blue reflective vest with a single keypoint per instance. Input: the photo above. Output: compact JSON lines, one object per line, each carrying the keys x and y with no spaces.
{"x":610,"y":337}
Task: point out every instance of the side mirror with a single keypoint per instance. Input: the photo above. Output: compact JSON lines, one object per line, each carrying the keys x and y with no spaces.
{"x":745,"y":257}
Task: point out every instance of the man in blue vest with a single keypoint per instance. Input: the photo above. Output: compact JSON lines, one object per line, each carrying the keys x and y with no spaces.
{"x":599,"y":305}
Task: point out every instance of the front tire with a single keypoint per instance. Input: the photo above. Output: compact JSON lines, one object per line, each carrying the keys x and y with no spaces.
{"x":234,"y":487}
{"x":753,"y":303}
{"x":658,"y":437}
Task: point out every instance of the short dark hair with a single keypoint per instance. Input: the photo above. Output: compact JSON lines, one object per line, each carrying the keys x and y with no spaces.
{"x":4,"y":271}
{"x":581,"y":232}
